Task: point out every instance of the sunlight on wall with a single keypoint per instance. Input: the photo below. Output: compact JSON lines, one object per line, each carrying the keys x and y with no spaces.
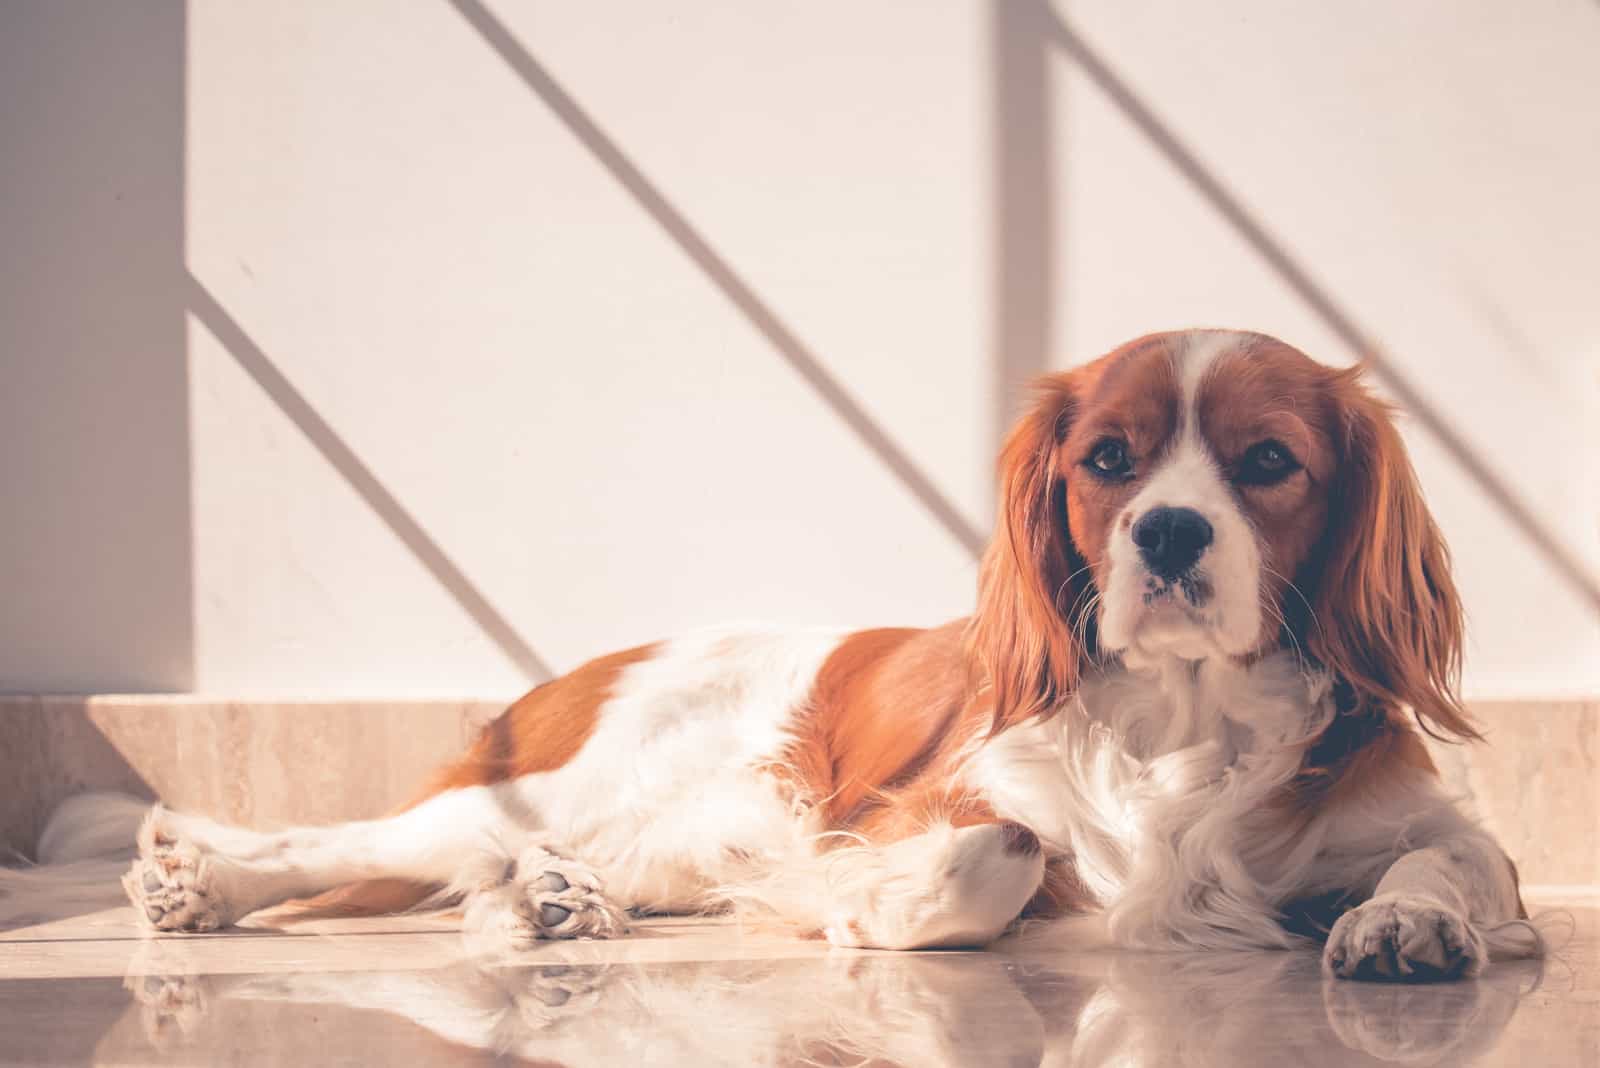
{"x":475,"y":387}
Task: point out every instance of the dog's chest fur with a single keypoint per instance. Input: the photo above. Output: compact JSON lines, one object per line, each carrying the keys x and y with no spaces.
{"x":1166,"y":783}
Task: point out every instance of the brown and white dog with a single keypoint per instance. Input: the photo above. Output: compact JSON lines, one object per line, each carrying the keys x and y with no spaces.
{"x":1213,"y":616}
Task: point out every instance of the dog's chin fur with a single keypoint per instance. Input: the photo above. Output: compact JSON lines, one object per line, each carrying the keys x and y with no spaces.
{"x":1172,"y":632}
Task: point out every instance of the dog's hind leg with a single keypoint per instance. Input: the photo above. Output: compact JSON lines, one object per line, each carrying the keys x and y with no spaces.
{"x":193,"y":874}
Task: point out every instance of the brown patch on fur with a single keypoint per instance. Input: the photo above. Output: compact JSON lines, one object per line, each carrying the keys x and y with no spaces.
{"x":543,"y":730}
{"x":1018,"y":840}
{"x":879,"y":745}
{"x":1390,"y":622}
{"x":1025,"y":652}
{"x":887,"y":712}
{"x":912,"y":811}
{"x":1061,"y":893}
{"x":370,"y":897}
{"x":1268,"y":390}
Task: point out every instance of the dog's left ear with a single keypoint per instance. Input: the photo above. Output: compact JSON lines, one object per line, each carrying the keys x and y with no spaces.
{"x":1032,"y":581}
{"x":1388,"y":618}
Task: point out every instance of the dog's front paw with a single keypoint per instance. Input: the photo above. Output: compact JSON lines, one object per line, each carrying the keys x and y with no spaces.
{"x":950,"y":887}
{"x":1404,"y":938}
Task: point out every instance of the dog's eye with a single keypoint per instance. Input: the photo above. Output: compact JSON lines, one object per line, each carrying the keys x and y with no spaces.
{"x":1110,"y":461}
{"x":1266,"y":462}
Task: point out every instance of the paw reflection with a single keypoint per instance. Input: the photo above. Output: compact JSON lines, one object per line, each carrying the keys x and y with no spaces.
{"x":841,"y":1007}
{"x":172,"y":1008}
{"x":1447,"y":1024}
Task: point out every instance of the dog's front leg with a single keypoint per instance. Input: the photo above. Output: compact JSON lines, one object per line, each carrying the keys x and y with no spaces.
{"x":950,"y":887}
{"x":1427,"y":917}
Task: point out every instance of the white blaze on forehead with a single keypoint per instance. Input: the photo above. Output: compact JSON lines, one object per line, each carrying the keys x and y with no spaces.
{"x":1200,"y":351}
{"x":1188,"y":475}
{"x":1189,"y":467}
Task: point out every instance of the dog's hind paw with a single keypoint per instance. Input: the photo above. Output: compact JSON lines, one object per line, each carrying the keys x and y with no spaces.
{"x":173,"y":884}
{"x":545,"y":897}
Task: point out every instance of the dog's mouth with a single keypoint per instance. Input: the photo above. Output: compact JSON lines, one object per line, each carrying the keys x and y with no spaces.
{"x":1175,"y":616}
{"x":1188,"y":592}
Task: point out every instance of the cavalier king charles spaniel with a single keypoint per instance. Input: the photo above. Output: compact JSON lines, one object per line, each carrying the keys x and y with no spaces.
{"x":1185,"y":713}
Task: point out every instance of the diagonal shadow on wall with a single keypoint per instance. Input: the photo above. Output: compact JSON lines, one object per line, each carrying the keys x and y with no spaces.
{"x":1025,"y":299}
{"x":1325,"y":307}
{"x":333,"y":449}
{"x":717,"y":270}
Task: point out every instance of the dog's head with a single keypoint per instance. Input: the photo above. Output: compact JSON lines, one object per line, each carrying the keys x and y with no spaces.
{"x":1207,"y":494}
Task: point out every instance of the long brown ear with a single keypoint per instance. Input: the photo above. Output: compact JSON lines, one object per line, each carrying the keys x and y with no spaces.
{"x":1388,"y":619}
{"x":1032,"y":580}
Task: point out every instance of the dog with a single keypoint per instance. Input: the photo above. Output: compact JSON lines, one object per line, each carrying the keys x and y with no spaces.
{"x":1213,"y":621}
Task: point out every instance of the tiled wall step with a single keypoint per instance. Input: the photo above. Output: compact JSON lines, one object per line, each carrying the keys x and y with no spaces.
{"x":258,"y":763}
{"x":1536,"y":783}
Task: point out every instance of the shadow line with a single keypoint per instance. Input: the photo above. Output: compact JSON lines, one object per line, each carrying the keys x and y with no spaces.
{"x":1333,"y":316}
{"x":717,"y":270}
{"x":1024,"y":298}
{"x":326,"y":441}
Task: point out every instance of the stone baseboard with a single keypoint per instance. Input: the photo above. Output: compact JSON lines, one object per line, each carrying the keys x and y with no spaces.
{"x":1535,"y":784}
{"x":257,"y":763}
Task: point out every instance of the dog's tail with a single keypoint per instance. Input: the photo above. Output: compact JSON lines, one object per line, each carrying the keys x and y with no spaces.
{"x":84,"y":850}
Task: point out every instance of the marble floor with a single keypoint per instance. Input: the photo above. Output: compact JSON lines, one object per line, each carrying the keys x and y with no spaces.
{"x":95,"y":989}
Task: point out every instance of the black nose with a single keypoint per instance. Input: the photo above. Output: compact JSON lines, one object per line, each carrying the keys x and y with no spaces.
{"x":1171,"y":539}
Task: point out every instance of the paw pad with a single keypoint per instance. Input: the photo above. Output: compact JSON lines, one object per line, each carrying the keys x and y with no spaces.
{"x":1402,"y":939}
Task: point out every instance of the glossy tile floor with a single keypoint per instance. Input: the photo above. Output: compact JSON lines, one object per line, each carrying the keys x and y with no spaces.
{"x":95,"y":990}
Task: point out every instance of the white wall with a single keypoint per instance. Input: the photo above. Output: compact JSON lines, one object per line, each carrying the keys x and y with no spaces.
{"x":96,"y":584}
{"x":452,"y":371}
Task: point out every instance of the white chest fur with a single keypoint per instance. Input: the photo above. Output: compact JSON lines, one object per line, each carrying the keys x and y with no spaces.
{"x":1159,"y":781}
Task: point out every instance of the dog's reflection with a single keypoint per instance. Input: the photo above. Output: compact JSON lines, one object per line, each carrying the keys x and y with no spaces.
{"x":1276,"y":1008}
{"x":844,"y":1009}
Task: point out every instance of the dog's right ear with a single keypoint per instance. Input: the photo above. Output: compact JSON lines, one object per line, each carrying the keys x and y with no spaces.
{"x":1032,"y":580}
